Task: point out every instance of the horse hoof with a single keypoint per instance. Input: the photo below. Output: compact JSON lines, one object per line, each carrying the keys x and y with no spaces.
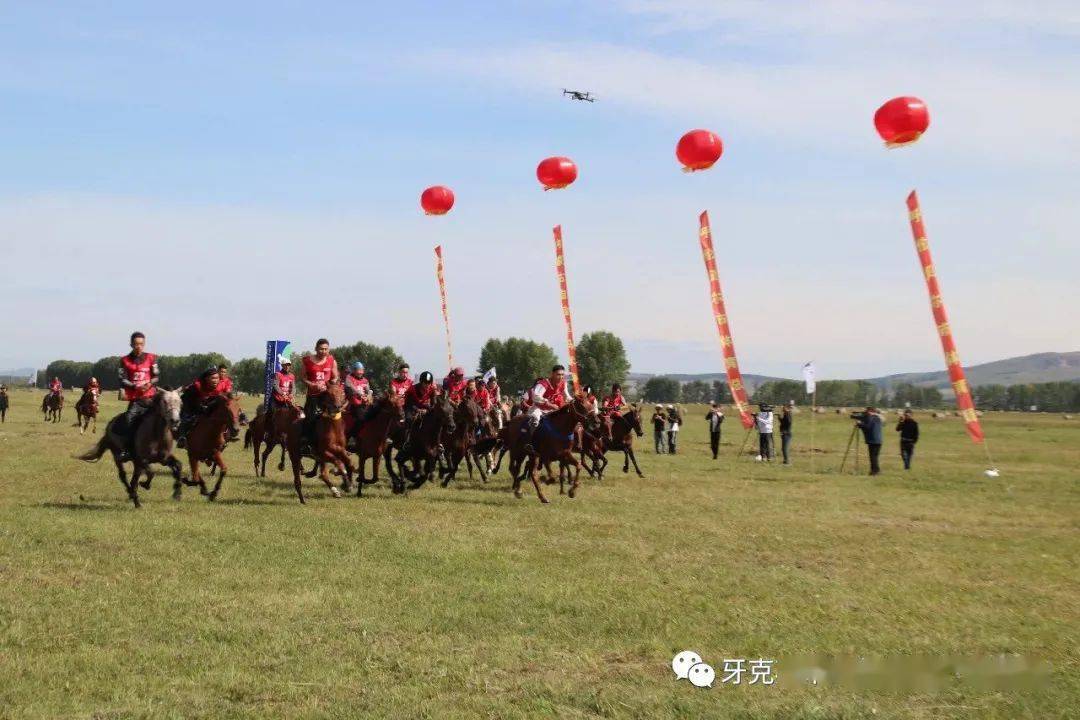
{"x":211,"y":496}
{"x":573,"y":492}
{"x":517,"y":494}
{"x":333,"y":491}
{"x":144,"y":484}
{"x":176,"y":496}
{"x":346,"y":487}
{"x":544,"y":500}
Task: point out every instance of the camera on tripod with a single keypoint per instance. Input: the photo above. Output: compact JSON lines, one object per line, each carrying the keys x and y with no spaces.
{"x":860,"y":415}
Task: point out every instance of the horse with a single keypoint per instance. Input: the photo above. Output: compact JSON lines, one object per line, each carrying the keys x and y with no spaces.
{"x":86,"y":412}
{"x":207,"y":437}
{"x":468,"y":418}
{"x":152,"y":444}
{"x":271,"y":428}
{"x":371,"y":439}
{"x":52,"y":407}
{"x":623,"y":429}
{"x":329,"y":441}
{"x":422,"y":447}
{"x":552,"y":440}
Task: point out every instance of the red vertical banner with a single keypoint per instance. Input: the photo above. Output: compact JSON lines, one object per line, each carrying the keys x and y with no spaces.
{"x":440,"y":274}
{"x":937,"y":306}
{"x":727,"y":346}
{"x":560,"y":271}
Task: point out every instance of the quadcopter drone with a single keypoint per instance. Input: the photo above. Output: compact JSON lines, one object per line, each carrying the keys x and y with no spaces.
{"x":579,"y":95}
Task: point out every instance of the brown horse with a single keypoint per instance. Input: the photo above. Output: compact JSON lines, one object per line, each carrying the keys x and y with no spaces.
{"x":329,"y":441}
{"x":86,"y":412}
{"x":422,"y":447}
{"x":468,"y":418}
{"x":553,"y":440}
{"x":207,"y":437}
{"x":152,"y":444}
{"x":372,"y":438}
{"x":271,"y":428}
{"x":52,"y":407}
{"x":623,"y":429}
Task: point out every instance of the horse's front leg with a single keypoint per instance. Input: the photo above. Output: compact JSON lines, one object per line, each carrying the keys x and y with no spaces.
{"x":177,"y":473}
{"x":219,"y":461}
{"x":324,"y":472}
{"x":361,"y":463}
{"x":196,"y":474}
{"x":294,"y":457}
{"x":281,"y":460}
{"x":576,"y":483}
{"x":534,"y":469}
{"x":122,"y":474}
{"x":633,"y":459}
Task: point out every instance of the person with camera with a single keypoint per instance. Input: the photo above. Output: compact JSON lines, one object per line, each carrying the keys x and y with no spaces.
{"x":870,"y":424}
{"x":715,"y":417}
{"x":909,"y":435}
{"x":763,"y":421}
{"x":659,"y":423}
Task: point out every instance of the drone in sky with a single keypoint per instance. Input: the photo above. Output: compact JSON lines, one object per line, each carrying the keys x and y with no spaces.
{"x":579,"y":95}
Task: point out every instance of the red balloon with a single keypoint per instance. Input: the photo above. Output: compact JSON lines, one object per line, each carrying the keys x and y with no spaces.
{"x":555,"y":173}
{"x":699,"y":150}
{"x":437,"y":200}
{"x":902,"y":121}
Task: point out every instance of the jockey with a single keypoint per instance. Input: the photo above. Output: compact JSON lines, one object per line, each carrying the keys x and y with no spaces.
{"x":194,"y":399}
{"x":139,"y":375}
{"x":480,"y":394}
{"x":284,"y":385}
{"x":420,"y":397}
{"x":358,"y":391}
{"x":493,"y":390}
{"x":56,"y":387}
{"x":225,"y":385}
{"x":454,"y":385}
{"x":613,"y":404}
{"x":319,"y":370}
{"x":93,"y":388}
{"x":548,"y":395}
{"x":400,"y":383}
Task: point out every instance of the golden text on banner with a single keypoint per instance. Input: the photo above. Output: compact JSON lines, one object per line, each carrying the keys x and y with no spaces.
{"x":964,"y":403}
{"x":560,"y":271}
{"x":440,"y":274}
{"x":727,"y":345}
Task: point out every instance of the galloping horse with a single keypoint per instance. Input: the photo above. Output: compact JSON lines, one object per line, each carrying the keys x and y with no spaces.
{"x":86,"y":412}
{"x":52,"y":407}
{"x":468,"y":418}
{"x":623,"y":429}
{"x":271,"y":428}
{"x":422,"y":447}
{"x":329,"y":442}
{"x":553,"y":440}
{"x":206,"y":440}
{"x":372,"y":438}
{"x":153,"y":444}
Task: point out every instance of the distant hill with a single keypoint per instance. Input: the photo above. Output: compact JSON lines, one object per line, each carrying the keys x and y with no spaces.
{"x":1038,"y":368}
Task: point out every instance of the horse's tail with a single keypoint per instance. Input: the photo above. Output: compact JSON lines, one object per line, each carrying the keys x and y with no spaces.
{"x":94,"y":454}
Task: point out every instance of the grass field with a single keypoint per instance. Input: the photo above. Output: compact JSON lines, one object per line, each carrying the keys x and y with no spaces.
{"x":468,"y":603}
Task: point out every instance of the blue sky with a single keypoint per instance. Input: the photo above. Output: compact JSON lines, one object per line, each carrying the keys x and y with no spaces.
{"x":261,"y":163}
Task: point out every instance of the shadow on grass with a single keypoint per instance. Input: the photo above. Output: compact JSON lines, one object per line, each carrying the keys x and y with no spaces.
{"x":108,"y":507}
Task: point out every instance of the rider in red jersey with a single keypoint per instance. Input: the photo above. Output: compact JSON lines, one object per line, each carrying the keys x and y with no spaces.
{"x":420,"y":397}
{"x":548,"y":395}
{"x":139,"y":374}
{"x":614,"y":403}
{"x":320,"y":369}
{"x":454,"y":385}
{"x":400,"y":383}
{"x":358,"y":391}
{"x":284,"y":385}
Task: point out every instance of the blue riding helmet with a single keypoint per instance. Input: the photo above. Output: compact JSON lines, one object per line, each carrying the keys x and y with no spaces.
{"x":357,"y":365}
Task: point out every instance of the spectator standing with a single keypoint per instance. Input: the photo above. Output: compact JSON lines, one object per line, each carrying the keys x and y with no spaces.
{"x":909,"y":435}
{"x":763,"y":421}
{"x":659,"y":423}
{"x":715,"y":418}
{"x":785,"y":431}
{"x":674,"y":422}
{"x":870,"y":424}
{"x":3,"y":403}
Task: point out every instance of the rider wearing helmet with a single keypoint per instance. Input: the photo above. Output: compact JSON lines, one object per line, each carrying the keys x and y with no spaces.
{"x":56,"y":387}
{"x":93,"y":387}
{"x":358,"y":391}
{"x":284,"y":385}
{"x":420,"y":397}
{"x":454,"y":385}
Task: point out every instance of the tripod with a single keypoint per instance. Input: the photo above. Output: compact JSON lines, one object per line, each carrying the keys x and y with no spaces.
{"x":854,"y":439}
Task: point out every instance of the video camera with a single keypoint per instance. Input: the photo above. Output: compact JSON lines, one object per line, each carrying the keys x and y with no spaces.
{"x":860,"y":415}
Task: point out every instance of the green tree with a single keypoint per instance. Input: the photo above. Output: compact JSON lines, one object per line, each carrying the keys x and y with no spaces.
{"x":248,"y":375}
{"x":380,"y":363}
{"x":662,"y":389}
{"x":72,"y":373}
{"x":601,"y":361}
{"x":697,"y":391}
{"x":721,"y":393}
{"x":106,"y":370}
{"x":518,"y":362}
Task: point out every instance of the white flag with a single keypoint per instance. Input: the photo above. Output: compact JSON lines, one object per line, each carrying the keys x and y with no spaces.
{"x":32,"y":380}
{"x":809,"y":375}
{"x":489,"y":374}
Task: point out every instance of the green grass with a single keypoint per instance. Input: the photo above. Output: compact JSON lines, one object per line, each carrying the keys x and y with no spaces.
{"x":468,"y":603}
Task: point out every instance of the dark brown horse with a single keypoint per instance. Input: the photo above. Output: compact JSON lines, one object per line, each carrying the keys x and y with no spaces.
{"x":422,"y":447}
{"x":372,"y":438}
{"x":152,"y":444}
{"x":52,"y":407}
{"x":468,"y":419}
{"x":86,"y":412}
{"x":329,"y":448}
{"x":623,"y":429}
{"x":272,"y":428}
{"x":207,"y":437}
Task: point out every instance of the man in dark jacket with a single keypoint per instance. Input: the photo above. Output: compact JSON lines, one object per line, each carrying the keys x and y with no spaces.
{"x":909,"y":435}
{"x":870,"y":424}
{"x":785,"y":432}
{"x":659,"y":423}
{"x":715,"y":417}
